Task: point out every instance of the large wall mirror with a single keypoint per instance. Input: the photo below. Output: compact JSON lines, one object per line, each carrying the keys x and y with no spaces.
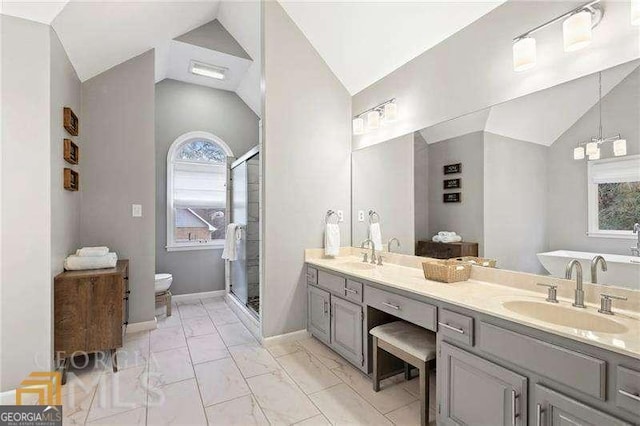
{"x":510,"y":179}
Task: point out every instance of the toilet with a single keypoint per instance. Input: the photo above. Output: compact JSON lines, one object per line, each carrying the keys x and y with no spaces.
{"x":163,"y":294}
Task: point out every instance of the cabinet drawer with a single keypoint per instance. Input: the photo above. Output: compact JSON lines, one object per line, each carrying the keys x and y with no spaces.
{"x":579,"y":371}
{"x":420,"y":313}
{"x":331,"y":282}
{"x":353,"y":291}
{"x":628,"y":389}
{"x":456,"y":327}
{"x":312,"y":275}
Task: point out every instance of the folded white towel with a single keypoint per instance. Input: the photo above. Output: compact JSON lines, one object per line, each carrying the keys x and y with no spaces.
{"x":78,"y":263}
{"x":447,"y":234}
{"x":375,"y":235}
{"x":446,"y":238}
{"x":232,"y":236}
{"x":332,"y":239}
{"x":92,"y":251}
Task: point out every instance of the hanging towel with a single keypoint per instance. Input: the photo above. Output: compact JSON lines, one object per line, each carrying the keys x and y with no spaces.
{"x":375,"y":235}
{"x":92,"y":251}
{"x":332,"y":239}
{"x":232,"y":237}
{"x":78,"y":263}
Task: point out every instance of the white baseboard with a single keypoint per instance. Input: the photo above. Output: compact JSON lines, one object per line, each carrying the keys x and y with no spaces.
{"x":287,"y":337}
{"x":136,"y":327}
{"x":242,"y":312}
{"x":190,"y":297}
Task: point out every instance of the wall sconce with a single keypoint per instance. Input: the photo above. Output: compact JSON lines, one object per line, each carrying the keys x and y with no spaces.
{"x":576,"y":33}
{"x":372,"y":118}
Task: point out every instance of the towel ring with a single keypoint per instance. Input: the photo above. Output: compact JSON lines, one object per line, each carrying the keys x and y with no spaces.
{"x":327,"y":218}
{"x":373,"y":214}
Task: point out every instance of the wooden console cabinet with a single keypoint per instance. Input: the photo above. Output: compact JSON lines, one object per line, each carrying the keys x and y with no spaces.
{"x":90,"y":311}
{"x":446,"y":250}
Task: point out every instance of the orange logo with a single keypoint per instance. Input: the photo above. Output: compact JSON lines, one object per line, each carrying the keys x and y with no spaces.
{"x":46,"y":385}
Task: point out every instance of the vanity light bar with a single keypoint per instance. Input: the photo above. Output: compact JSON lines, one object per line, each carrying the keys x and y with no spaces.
{"x":576,"y":30}
{"x":372,"y":118}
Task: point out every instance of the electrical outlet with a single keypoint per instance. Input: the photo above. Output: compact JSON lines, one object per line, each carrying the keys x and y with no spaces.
{"x":360,"y":215}
{"x":340,"y":216}
{"x":136,"y":210}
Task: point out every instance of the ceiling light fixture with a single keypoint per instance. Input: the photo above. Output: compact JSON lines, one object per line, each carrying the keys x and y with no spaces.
{"x":383,"y":113}
{"x":592,"y":148}
{"x":206,"y":70}
{"x":577,"y":33}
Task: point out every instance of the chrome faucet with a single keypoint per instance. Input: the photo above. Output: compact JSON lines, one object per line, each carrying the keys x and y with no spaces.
{"x":579,"y":299}
{"x":635,"y":251}
{"x":373,"y":250}
{"x":389,"y":243}
{"x":594,"y":267}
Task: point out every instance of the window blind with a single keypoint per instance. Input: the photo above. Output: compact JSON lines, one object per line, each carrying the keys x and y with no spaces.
{"x":199,"y":185}
{"x":623,"y":170}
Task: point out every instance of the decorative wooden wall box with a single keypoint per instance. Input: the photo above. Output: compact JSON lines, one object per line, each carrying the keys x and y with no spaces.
{"x":71,"y":180}
{"x":450,"y":169}
{"x":452,"y":183}
{"x":452,"y":197}
{"x":71,"y":152}
{"x":71,"y":122}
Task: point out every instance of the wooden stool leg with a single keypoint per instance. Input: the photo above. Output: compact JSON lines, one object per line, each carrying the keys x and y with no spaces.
{"x":114,"y":360}
{"x":407,"y":371}
{"x":376,"y":365}
{"x":424,"y":394}
{"x":168,"y":302}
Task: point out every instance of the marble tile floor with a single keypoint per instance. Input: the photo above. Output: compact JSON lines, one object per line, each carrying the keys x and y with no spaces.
{"x":202,"y":366}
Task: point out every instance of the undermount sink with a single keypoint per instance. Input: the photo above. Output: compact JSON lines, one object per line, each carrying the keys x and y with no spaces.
{"x":565,"y":316}
{"x":361,"y":266}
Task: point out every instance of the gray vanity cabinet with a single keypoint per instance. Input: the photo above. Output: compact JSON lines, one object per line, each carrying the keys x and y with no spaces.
{"x":346,"y":330}
{"x":556,"y":409}
{"x":478,"y":392}
{"x":319,"y":315}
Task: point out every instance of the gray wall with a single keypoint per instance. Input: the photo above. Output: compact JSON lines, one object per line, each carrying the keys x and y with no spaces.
{"x":467,"y":217}
{"x":473,"y":69}
{"x":118,"y":169}
{"x":25,"y":220}
{"x":568,"y":178}
{"x":181,"y":108}
{"x":515,"y":208}
{"x":65,"y":205}
{"x":421,"y":187}
{"x":383,"y":181}
{"x":307,"y":153}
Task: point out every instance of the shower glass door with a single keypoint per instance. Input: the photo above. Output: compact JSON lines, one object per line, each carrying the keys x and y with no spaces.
{"x":245,"y":212}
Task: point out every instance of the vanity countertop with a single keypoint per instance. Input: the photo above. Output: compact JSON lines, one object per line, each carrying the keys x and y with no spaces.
{"x":487,"y":298}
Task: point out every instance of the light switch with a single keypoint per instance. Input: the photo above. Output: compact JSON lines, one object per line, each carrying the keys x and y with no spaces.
{"x":360,"y":215}
{"x":340,"y":216}
{"x":136,"y":210}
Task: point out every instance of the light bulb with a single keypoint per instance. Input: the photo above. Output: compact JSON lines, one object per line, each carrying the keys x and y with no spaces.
{"x":595,"y":155}
{"x":576,"y":31}
{"x":635,"y":12}
{"x":578,"y":153}
{"x":620,"y":147}
{"x":390,"y":112}
{"x":358,"y":126}
{"x":524,"y":54}
{"x":373,"y":120}
{"x":592,"y":148}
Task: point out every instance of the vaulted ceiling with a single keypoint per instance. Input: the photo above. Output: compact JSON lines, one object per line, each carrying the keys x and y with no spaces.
{"x":363,"y":41}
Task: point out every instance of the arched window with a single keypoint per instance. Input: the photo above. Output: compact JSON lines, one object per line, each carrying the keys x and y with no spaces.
{"x":197,"y":191}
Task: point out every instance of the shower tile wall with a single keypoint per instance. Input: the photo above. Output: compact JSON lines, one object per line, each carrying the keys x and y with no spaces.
{"x":253,"y":227}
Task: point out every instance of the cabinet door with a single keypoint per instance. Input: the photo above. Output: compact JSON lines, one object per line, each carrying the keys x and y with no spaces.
{"x":71,"y":312}
{"x":555,"y":409}
{"x":104,"y":328}
{"x":319,"y":319}
{"x":474,"y":391}
{"x":346,"y":330}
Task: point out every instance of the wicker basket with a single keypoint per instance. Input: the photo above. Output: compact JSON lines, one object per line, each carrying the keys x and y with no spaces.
{"x":446,"y":271}
{"x":480,"y":261}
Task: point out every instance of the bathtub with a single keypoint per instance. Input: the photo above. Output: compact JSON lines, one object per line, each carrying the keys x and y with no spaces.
{"x":622,"y":271}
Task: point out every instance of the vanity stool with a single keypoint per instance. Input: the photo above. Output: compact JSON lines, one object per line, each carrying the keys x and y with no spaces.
{"x":413,"y":345}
